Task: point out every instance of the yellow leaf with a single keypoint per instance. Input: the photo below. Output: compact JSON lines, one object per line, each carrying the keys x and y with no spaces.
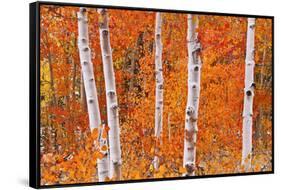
{"x":151,"y":168}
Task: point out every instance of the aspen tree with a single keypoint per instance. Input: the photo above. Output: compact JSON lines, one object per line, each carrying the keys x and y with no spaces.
{"x":90,"y":85}
{"x":191,"y":112}
{"x":158,"y":87}
{"x":111,"y":97}
{"x":248,"y":96}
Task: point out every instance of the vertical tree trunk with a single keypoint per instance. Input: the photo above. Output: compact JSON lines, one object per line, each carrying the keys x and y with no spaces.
{"x":248,"y":96}
{"x":103,"y":164}
{"x":111,"y":97}
{"x":90,"y":85}
{"x":158,"y":87}
{"x":191,"y":117}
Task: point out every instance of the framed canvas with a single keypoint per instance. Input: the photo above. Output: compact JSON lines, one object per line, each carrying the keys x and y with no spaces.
{"x":120,"y":94}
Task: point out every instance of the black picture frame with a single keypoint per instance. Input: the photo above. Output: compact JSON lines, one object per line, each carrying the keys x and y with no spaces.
{"x":34,"y":93}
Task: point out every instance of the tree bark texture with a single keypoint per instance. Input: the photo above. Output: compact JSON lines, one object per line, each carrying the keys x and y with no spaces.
{"x":191,"y":112}
{"x":159,"y":86}
{"x":89,"y":84}
{"x":248,"y":96}
{"x":111,"y":97}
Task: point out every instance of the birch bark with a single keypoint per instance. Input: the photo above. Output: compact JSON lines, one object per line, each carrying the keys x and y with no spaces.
{"x":248,"y":96}
{"x":191,"y":117}
{"x":89,"y":84}
{"x":158,"y":87}
{"x":111,"y":97}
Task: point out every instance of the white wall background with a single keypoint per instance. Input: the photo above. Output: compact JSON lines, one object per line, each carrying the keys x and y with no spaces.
{"x":14,"y":73}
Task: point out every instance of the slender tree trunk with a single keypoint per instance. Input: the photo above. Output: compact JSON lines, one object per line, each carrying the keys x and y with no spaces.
{"x":90,"y":85}
{"x":248,"y":96}
{"x":191,"y":117}
{"x":111,"y":97}
{"x":103,"y":164}
{"x":159,"y":87}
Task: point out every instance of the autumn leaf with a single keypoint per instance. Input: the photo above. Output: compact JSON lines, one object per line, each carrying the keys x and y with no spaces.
{"x":104,"y":148}
{"x":95,"y":133}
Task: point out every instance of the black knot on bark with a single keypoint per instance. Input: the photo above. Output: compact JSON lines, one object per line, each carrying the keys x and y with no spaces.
{"x":197,"y":47}
{"x":105,"y":32}
{"x":248,"y":92}
{"x":253,"y":85}
{"x":91,"y":80}
{"x":86,"y":49}
{"x":85,"y":62}
{"x":194,"y":86}
{"x":196,"y":68}
{"x":83,"y":10}
{"x":160,"y":86}
{"x":84,"y":40}
{"x":91,"y":101}
{"x":190,"y":168}
{"x":190,"y":111}
{"x":114,"y":107}
{"x":111,"y":93}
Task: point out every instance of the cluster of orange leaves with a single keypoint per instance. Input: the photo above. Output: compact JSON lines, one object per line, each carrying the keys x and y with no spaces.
{"x":76,"y":167}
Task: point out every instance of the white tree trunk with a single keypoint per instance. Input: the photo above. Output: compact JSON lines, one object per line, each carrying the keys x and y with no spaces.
{"x":159,"y":86}
{"x":89,"y":84}
{"x":194,"y":72}
{"x":111,"y":97}
{"x":248,"y":96}
{"x":103,"y":164}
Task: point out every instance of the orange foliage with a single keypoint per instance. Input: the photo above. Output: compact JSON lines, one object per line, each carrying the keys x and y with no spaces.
{"x":69,"y":149}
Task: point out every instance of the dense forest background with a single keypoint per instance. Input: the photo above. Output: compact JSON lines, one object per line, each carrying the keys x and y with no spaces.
{"x":67,"y":155}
